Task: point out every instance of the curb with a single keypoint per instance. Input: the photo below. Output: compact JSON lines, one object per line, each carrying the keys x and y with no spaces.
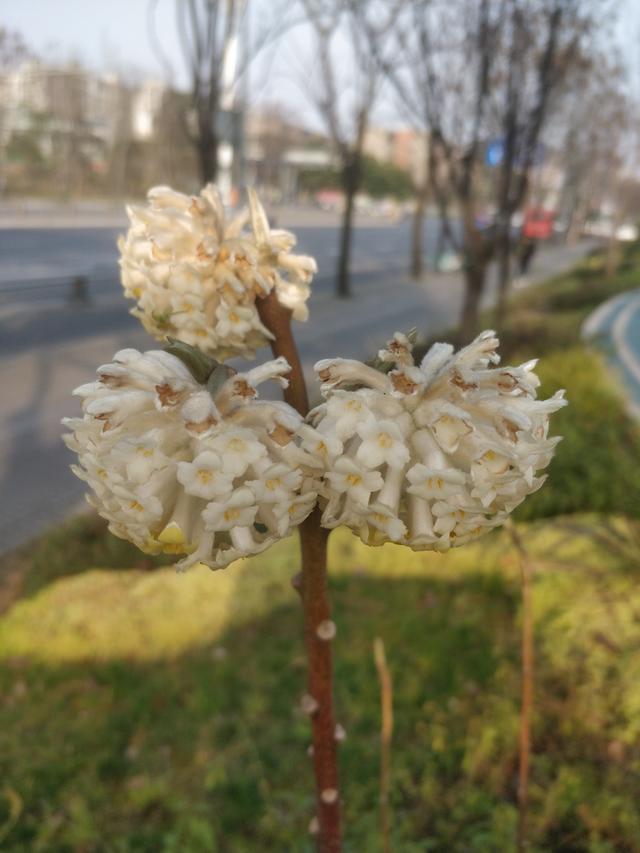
{"x":611,"y":320}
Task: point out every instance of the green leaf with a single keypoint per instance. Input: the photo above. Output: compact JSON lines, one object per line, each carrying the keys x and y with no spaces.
{"x":218,"y":377}
{"x":200,"y":366}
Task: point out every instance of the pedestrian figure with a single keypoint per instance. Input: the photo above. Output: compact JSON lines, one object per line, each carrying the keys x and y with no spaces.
{"x":525,"y":255}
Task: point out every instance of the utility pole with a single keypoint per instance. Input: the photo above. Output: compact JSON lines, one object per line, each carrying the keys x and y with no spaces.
{"x":229,"y":85}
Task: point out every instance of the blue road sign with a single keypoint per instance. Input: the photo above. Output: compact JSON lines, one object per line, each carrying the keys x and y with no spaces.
{"x":495,"y":152}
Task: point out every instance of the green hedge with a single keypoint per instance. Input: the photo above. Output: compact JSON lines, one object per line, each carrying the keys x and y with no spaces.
{"x":597,"y":464}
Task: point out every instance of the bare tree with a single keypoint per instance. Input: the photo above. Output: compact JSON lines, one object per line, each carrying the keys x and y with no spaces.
{"x":343,"y":91}
{"x":210,"y":34}
{"x":408,"y":81}
{"x":602,"y":150}
{"x":469,"y":71}
{"x":439,"y":62}
{"x":13,"y":51}
{"x":544,"y":44}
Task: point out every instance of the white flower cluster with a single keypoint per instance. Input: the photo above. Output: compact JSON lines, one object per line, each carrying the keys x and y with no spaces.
{"x":176,"y":466}
{"x":196,"y":277}
{"x":433,"y":455}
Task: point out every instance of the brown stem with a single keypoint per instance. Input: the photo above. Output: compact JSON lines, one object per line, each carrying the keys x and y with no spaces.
{"x":315,"y":603}
{"x":526,"y":703}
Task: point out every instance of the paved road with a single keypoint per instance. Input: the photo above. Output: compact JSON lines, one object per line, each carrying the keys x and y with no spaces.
{"x":49,"y":346}
{"x":615,"y":325}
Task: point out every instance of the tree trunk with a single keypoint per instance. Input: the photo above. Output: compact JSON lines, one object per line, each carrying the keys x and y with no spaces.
{"x":504,"y":276}
{"x":475,"y":273}
{"x":207,"y":150}
{"x":350,"y":182}
{"x":417,"y":265}
{"x":613,"y":255}
{"x":613,"y":246}
{"x":476,"y":258}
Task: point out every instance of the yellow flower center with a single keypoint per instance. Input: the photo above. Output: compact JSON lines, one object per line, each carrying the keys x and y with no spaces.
{"x":236,"y":444}
{"x":385,"y":440}
{"x":231,"y":514}
{"x":272,"y":485}
{"x":136,"y":505}
{"x":204,"y":475}
{"x":354,"y":479}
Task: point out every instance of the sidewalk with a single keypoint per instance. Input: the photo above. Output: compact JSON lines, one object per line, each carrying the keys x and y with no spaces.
{"x":358,"y":327}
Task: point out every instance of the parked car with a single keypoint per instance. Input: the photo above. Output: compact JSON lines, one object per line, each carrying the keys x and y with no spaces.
{"x":604,"y":227}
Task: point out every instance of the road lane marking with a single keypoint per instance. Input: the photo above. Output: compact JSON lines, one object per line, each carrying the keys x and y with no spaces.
{"x":627,"y":356}
{"x":599,"y":319}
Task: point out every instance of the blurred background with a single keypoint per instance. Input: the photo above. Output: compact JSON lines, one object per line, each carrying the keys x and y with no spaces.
{"x":452,"y":167}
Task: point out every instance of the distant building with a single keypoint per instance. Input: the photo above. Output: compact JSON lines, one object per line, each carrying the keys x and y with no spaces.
{"x":146,"y":104}
{"x":57,"y":100}
{"x":277,"y":151}
{"x":405,"y":148}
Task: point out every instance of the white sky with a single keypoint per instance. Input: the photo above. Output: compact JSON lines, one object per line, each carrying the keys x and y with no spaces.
{"x":113,"y":35}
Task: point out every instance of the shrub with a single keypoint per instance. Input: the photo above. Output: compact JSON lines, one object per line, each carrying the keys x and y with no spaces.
{"x":596,"y":465}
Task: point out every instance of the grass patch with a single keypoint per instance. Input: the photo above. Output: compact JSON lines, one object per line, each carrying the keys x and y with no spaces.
{"x":155,"y":712}
{"x":71,"y":547}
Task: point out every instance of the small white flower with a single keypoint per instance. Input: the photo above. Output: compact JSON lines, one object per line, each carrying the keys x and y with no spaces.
{"x":433,"y":455}
{"x":276,"y":484}
{"x":326,"y":447}
{"x":290,"y":513}
{"x":382,"y":443}
{"x":356,"y":482}
{"x":435,"y":482}
{"x":347,"y":411}
{"x":205,"y":472}
{"x":239,"y":510}
{"x":196,"y":276}
{"x":383,"y":520}
{"x":238,"y":449}
{"x":234,"y":320}
{"x":204,"y":477}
